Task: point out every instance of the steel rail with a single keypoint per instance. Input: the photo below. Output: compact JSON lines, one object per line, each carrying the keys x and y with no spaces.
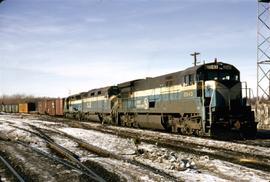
{"x":11,"y":169}
{"x":63,"y":151}
{"x":238,"y":157}
{"x":105,"y":153}
{"x":67,"y":153}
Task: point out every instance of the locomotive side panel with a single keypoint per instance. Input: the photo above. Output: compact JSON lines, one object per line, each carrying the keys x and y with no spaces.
{"x":162,"y":102}
{"x":73,"y":106}
{"x":94,"y":105}
{"x":101,"y":104}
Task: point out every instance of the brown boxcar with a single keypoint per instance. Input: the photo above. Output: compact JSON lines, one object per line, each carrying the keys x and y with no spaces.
{"x":52,"y":107}
{"x":50,"y":110}
{"x":59,"y":107}
{"x":42,"y":107}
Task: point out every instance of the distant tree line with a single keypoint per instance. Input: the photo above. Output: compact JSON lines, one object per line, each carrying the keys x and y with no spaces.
{"x":20,"y":98}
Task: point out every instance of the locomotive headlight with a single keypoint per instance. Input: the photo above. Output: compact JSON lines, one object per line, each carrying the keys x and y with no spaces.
{"x":213,"y":109}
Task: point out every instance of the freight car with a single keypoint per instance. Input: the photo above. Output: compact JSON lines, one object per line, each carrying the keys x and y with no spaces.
{"x":2,"y":108}
{"x":52,"y":107}
{"x":204,"y":100}
{"x":18,"y":108}
{"x":9,"y":108}
{"x":27,"y":107}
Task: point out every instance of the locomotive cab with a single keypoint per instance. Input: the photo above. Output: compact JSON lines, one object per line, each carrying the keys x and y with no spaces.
{"x":223,"y":105}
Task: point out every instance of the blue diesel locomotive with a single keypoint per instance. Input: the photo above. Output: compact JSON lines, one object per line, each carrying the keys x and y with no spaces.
{"x":203,"y":100}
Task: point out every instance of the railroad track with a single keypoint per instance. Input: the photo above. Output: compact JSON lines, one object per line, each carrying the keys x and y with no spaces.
{"x":255,"y":161}
{"x":11,"y":169}
{"x":68,"y":154}
{"x":262,"y":140}
{"x":52,"y":159}
{"x":258,"y":161}
{"x":104,"y":153}
{"x":234,"y":155}
{"x":91,"y":148}
{"x":73,"y":158}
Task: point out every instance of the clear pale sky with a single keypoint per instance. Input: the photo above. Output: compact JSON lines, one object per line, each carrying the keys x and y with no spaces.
{"x":57,"y":47}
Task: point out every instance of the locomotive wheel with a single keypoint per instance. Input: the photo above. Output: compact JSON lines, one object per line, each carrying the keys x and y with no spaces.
{"x":186,"y":130}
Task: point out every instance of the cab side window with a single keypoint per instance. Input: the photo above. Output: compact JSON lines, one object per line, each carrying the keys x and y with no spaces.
{"x":188,"y":79}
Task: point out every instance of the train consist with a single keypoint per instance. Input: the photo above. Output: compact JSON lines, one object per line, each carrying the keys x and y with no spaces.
{"x":18,"y":108}
{"x":203,"y":100}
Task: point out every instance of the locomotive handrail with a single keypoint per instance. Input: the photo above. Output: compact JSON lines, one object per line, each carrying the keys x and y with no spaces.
{"x":210,"y":109}
{"x":248,"y":92}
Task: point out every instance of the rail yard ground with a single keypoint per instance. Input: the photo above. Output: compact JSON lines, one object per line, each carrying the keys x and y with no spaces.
{"x":42,"y":148}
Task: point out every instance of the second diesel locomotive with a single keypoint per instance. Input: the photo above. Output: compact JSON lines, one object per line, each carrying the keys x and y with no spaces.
{"x":204,"y":100}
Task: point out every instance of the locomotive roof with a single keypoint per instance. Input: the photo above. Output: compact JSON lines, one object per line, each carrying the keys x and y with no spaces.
{"x":103,"y":89}
{"x":190,"y":70}
{"x":174,"y":77}
{"x":194,"y":69}
{"x":217,"y":66}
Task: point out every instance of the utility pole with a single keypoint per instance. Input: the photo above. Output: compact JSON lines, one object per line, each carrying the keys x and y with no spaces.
{"x":195,"y":54}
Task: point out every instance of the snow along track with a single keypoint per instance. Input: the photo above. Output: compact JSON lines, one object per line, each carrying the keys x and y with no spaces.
{"x":164,"y":159}
{"x":66,"y":153}
{"x":37,"y":165}
{"x":259,"y":147}
{"x":104,"y":153}
{"x":74,"y":158}
{"x":250,"y":156}
{"x":101,"y":152}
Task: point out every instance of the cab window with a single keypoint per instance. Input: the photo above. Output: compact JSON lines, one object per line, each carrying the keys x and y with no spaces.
{"x":189,"y":79}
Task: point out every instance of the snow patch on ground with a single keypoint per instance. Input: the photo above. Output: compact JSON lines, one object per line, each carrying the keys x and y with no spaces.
{"x":108,"y":142}
{"x":202,"y":141}
{"x":184,"y":166}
